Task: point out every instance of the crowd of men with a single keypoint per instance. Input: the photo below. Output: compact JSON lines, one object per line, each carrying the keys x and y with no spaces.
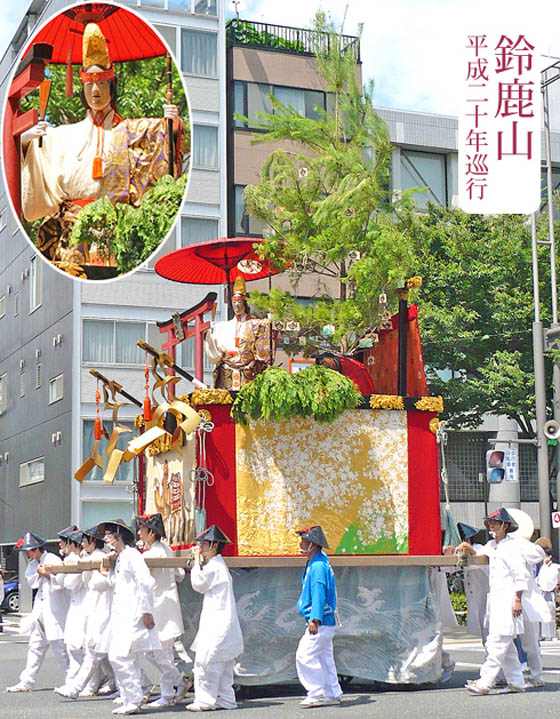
{"x":99,"y":623}
{"x":510,"y":604}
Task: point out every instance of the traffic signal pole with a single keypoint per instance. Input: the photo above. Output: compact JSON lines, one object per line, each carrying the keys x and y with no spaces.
{"x":540,"y":394}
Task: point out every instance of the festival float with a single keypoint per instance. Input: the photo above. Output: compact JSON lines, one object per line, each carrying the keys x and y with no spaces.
{"x":352,"y":448}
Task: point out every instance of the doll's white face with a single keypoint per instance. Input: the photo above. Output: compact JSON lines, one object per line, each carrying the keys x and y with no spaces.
{"x":238,"y":305}
{"x":97,"y":94}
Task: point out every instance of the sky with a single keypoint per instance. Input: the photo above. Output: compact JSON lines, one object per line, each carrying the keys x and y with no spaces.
{"x":411,"y":49}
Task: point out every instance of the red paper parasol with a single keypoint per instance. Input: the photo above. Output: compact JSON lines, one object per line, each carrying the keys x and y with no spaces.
{"x":215,"y":262}
{"x":128,"y":36}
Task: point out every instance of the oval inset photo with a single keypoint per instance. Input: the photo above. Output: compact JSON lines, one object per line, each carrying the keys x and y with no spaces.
{"x":96,"y":141}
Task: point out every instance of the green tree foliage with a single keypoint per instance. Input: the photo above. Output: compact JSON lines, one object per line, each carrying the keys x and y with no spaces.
{"x":476,"y":311}
{"x":325,"y":193}
{"x":141,"y":88}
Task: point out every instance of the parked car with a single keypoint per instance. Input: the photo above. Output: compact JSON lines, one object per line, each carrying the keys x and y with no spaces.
{"x":11,"y":596}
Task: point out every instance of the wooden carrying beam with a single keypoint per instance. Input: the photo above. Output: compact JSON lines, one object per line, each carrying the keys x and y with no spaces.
{"x":380,"y":560}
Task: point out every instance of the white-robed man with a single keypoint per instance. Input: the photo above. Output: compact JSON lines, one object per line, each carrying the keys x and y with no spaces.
{"x":509,"y":579}
{"x":167,"y":612}
{"x":219,"y":640}
{"x":95,"y":669}
{"x":132,"y":626}
{"x":317,"y":604}
{"x":74,"y":629}
{"x":548,"y":577}
{"x":476,"y":586}
{"x":47,"y":619}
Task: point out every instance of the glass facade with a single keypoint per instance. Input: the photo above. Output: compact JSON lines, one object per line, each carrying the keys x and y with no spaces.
{"x":425,"y":170}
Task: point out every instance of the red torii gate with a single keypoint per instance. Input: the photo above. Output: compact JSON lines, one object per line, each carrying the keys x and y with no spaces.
{"x":29,"y":75}
{"x":178,"y":330}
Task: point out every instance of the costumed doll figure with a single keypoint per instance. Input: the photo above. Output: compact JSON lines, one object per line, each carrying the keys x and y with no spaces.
{"x":240,"y":348}
{"x":103,"y":155}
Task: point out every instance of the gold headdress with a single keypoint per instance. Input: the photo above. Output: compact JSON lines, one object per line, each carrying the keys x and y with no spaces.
{"x":94,"y":52}
{"x":239,"y":287}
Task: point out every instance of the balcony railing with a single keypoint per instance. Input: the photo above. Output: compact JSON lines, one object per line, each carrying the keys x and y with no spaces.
{"x":300,"y":41}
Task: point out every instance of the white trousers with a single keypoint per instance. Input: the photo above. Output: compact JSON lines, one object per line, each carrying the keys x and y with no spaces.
{"x":213,"y":684}
{"x":315,"y":665}
{"x":95,"y":668}
{"x":36,"y":650}
{"x":530,"y":643}
{"x":501,"y":654}
{"x":127,"y":675}
{"x":164,"y":660}
{"x":75,"y":660}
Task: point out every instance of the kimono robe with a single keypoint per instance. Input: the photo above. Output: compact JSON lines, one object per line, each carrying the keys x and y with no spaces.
{"x":168,"y":618}
{"x":219,"y":640}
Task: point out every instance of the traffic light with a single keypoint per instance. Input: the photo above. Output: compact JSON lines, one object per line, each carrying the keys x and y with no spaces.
{"x":495,"y":469}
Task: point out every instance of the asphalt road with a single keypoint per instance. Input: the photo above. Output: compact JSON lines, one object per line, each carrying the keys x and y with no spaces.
{"x":447,"y":701}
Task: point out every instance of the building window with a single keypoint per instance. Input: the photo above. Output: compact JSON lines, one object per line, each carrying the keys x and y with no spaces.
{"x":95,"y":512}
{"x":35,"y":284}
{"x":16,"y":304}
{"x":185,"y":356}
{"x":38,"y":375}
{"x":205,"y":146}
{"x":22,"y":383}
{"x":252,"y":98}
{"x":109,"y":342}
{"x":2,"y":306}
{"x":199,"y":52}
{"x":204,"y":7}
{"x":425,"y":170}
{"x":3,"y":218}
{"x":197,"y":229}
{"x":125,"y":471}
{"x":32,"y":472}
{"x":3,"y":393}
{"x":169,"y":34}
{"x":56,"y":389}
{"x":244,"y":224}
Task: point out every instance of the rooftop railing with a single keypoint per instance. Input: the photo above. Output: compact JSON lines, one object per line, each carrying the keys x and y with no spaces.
{"x":300,"y":41}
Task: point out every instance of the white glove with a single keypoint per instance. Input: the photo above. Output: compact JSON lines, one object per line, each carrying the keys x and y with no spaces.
{"x":36,"y":131}
{"x":170,"y":112}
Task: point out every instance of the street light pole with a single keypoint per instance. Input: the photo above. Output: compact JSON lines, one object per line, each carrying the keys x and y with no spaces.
{"x":552,"y":245}
{"x":540,"y":393}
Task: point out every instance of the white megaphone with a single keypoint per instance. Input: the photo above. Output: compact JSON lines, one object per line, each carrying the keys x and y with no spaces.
{"x":551,"y":429}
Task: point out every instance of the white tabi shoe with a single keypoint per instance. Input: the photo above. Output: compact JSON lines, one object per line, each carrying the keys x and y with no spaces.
{"x":66,"y":692}
{"x":309,"y":702}
{"x":477,"y":688}
{"x":328,"y":701}
{"x":196,"y":707}
{"x":532,"y":683}
{"x":511,"y":689}
{"x":19,"y":687}
{"x":161,"y":703}
{"x":126,"y":709}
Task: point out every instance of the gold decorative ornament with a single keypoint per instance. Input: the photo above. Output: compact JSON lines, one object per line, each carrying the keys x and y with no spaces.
{"x":386,"y":401}
{"x":429,"y":404}
{"x":94,"y":48}
{"x":211,"y":396}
